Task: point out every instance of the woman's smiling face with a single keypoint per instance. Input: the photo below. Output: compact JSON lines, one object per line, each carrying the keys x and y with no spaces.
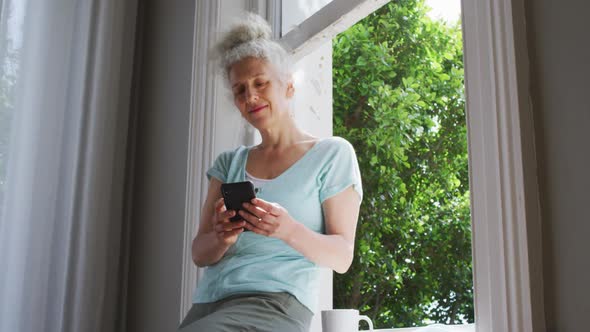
{"x":259,"y":93}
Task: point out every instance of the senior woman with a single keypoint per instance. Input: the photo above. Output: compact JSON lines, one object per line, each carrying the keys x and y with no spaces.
{"x":305,"y":215}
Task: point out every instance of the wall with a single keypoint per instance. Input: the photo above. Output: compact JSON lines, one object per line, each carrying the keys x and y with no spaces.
{"x":160,"y":165}
{"x":560,"y":56}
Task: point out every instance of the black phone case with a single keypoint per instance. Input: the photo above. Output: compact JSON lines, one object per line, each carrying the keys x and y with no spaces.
{"x":235,"y":194}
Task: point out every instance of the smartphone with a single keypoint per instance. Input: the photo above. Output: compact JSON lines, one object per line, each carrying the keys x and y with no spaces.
{"x":235,"y":194}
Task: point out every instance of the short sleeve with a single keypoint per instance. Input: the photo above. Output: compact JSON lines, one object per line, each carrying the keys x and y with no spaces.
{"x":220,"y":168}
{"x":341,"y":171}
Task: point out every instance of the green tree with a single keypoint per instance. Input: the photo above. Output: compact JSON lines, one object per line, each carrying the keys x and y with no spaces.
{"x":399,"y":99}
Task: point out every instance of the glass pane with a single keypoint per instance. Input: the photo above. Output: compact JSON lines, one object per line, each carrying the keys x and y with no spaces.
{"x":399,"y":99}
{"x":297,"y":11}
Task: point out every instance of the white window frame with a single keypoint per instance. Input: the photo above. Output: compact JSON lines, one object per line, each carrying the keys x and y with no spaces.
{"x":201,"y":145}
{"x":505,"y":211}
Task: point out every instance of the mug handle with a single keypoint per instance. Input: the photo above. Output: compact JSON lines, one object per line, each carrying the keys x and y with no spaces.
{"x":368,"y":320}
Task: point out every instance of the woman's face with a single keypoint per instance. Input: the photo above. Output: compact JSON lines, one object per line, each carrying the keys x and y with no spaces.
{"x":258,"y":91}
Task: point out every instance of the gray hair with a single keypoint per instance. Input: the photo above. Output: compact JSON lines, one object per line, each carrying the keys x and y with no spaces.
{"x":251,"y":37}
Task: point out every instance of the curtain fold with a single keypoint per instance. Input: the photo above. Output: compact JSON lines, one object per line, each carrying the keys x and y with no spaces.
{"x":66,"y":71}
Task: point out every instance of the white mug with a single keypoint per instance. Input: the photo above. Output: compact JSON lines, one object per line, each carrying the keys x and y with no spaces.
{"x":343,"y":320}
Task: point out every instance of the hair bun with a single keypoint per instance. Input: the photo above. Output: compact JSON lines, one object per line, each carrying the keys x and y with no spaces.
{"x":250,"y":36}
{"x":251,"y":28}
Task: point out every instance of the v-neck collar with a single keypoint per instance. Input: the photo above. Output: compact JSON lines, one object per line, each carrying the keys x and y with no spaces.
{"x":289,"y":169}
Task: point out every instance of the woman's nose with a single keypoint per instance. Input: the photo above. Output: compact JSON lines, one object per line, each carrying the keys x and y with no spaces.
{"x":251,"y":95}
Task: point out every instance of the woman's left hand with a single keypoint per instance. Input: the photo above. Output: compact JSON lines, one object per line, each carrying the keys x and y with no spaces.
{"x":268,"y":219}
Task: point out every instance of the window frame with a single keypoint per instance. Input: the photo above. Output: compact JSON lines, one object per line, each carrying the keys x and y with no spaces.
{"x":506,"y":225}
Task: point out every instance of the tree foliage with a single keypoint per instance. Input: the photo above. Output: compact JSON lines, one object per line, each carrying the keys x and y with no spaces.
{"x":398,"y":98}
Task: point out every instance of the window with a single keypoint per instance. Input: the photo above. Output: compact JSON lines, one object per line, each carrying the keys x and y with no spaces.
{"x":399,"y":99}
{"x":503,"y":199}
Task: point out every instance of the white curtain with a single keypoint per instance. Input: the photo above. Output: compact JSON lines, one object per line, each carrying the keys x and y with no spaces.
{"x":65,"y":71}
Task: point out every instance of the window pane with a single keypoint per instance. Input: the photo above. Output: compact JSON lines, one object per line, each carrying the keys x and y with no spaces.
{"x":295,"y":12}
{"x":399,"y":99}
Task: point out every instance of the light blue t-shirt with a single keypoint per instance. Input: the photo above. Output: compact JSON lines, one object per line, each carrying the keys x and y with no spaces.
{"x":257,"y":263}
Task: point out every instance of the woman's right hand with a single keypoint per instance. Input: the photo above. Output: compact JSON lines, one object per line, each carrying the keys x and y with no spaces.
{"x":227,"y":231}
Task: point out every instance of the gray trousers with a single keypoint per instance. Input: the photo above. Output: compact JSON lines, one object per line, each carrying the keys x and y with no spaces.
{"x":260,"y":312}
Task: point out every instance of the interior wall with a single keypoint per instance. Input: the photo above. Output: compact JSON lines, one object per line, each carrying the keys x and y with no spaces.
{"x":158,"y":209}
{"x":560,"y":71}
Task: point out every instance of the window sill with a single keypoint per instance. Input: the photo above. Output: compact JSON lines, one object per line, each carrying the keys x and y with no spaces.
{"x":433,"y":328}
